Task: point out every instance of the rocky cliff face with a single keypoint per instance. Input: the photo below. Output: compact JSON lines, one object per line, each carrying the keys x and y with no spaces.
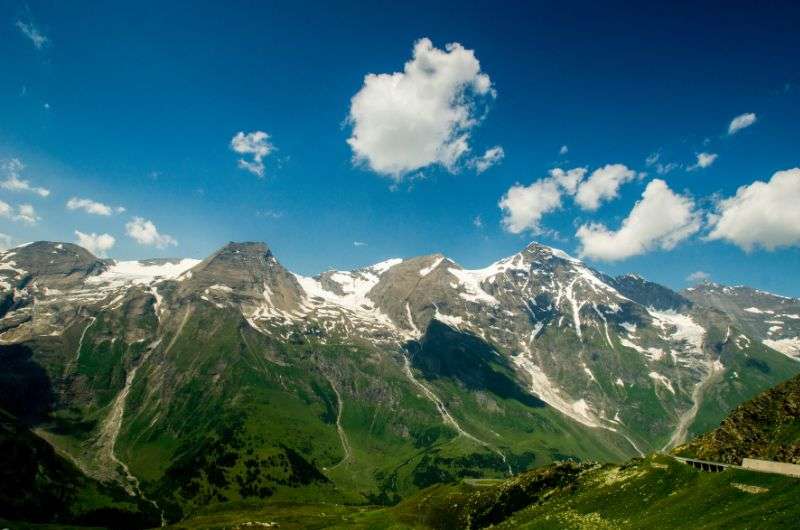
{"x":233,"y":378}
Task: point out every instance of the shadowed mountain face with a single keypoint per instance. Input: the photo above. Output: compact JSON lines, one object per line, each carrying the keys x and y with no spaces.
{"x":232,"y":379}
{"x":445,"y":352}
{"x":38,"y":485}
{"x":650,"y":294}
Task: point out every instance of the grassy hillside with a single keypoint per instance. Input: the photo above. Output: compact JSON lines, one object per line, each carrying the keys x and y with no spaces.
{"x":38,"y":485}
{"x":653,"y":492}
{"x":224,"y":414}
{"x":766,"y":427}
{"x":656,"y":492}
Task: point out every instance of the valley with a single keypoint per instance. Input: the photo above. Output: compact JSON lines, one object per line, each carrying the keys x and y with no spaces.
{"x":232,"y":381}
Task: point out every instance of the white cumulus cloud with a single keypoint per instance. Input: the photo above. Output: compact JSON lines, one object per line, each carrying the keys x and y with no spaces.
{"x":254,"y":143}
{"x":406,"y":121}
{"x":568,"y":179}
{"x":661,"y":219}
{"x":704,"y":160}
{"x":765,"y":214}
{"x":742,"y":121}
{"x":38,"y":39}
{"x":144,"y":232}
{"x":602,"y":184}
{"x":564,"y":150}
{"x":490,"y":158}
{"x":93,"y":207}
{"x":97,"y":244}
{"x":524,"y":206}
{"x":13,"y":182}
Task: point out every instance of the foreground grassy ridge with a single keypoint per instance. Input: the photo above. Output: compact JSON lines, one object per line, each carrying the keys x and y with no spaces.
{"x":656,"y":492}
{"x":767,"y":427}
{"x":659,"y":492}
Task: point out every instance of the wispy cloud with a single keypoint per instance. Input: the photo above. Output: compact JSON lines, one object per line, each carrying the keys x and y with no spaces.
{"x":654,"y":160}
{"x":741,"y":121}
{"x":6,"y":241}
{"x":491,"y":157}
{"x":254,"y":143}
{"x":13,"y":182}
{"x":38,"y":39}
{"x":27,"y":214}
{"x":24,"y":213}
{"x":704,"y":160}
{"x":698,"y":277}
{"x":92,"y":207}
{"x":359,"y":244}
{"x":269,"y":214}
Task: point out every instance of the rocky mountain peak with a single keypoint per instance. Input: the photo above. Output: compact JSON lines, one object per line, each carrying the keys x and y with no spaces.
{"x":49,"y":264}
{"x":240,"y":250}
{"x":540,"y":251}
{"x":238,"y":262}
{"x":243,"y":273}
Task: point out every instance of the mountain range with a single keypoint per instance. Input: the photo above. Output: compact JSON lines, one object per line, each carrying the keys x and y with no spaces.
{"x":188,"y":383}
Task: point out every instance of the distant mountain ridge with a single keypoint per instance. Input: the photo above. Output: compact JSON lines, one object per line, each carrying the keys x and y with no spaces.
{"x":773,"y":319}
{"x":232,"y":378}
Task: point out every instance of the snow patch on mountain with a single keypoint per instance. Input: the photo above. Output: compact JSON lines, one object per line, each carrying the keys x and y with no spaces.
{"x":123,"y":273}
{"x":788,"y":346}
{"x":659,"y":378}
{"x":385,"y":265}
{"x":470,"y":281}
{"x":427,"y":270}
{"x":686,"y":329}
{"x":547,"y":391}
{"x":652,"y":353}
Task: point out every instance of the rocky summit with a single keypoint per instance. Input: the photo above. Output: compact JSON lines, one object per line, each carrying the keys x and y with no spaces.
{"x":186,"y":383}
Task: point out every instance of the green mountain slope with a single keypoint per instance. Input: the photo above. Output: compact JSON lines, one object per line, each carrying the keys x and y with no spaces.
{"x":767,"y":427}
{"x":243,"y":417}
{"x":38,"y":485}
{"x":656,"y":492}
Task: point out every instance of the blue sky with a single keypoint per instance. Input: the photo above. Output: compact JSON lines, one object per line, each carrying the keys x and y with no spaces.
{"x":136,"y":106}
